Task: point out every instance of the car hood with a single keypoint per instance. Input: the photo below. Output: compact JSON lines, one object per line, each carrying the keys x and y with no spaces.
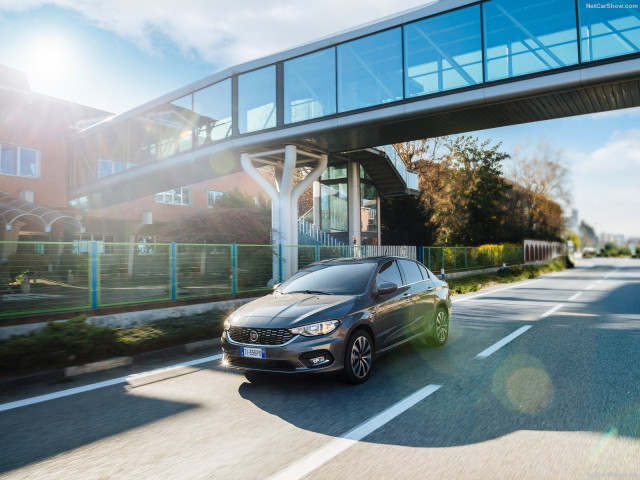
{"x":289,"y":310}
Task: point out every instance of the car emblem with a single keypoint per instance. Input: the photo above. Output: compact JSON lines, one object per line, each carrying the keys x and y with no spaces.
{"x":253,"y":336}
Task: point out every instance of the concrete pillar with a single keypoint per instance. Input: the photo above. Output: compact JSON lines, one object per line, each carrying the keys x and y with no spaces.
{"x":353,"y":202}
{"x":317,"y":212}
{"x":284,"y":202}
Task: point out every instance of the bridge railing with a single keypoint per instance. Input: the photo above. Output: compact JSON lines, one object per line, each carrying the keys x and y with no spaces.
{"x":48,"y":277}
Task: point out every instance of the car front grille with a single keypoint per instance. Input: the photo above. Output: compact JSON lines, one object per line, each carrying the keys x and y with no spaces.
{"x":266,"y":336}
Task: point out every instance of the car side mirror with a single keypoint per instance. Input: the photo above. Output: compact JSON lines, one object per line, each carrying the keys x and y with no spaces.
{"x":386,"y":287}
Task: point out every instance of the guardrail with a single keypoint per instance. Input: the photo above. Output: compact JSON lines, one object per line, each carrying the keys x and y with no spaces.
{"x":48,"y":277}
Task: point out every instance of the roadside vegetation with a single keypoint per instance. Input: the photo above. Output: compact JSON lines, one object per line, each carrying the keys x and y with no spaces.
{"x":76,"y":342}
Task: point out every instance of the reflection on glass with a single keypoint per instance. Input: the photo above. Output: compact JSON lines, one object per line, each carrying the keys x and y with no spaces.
{"x":443,"y":52}
{"x":257,"y":100}
{"x":310,"y":86}
{"x":527,"y":37}
{"x":370,"y":71}
{"x":334,"y":172}
{"x":212,"y":106}
{"x":175,"y":123}
{"x":606,"y":31}
{"x":368,"y":208}
{"x":334,"y":211}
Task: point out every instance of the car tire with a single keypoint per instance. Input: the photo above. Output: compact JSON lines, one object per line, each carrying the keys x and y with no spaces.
{"x":439,"y":333}
{"x":358,"y":358}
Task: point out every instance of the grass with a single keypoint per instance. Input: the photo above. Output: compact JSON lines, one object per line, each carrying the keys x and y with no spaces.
{"x":75,"y":342}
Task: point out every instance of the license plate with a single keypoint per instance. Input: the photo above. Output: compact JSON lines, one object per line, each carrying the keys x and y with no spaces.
{"x":252,"y":352}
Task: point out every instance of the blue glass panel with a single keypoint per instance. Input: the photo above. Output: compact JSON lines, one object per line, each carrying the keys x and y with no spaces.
{"x":370,"y":71}
{"x":212,"y":106}
{"x":257,"y":100}
{"x":310,"y":86}
{"x":443,"y":52}
{"x":609,"y":28}
{"x":527,"y":37}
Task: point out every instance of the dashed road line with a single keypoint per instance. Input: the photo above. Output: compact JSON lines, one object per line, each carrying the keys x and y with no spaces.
{"x":574,"y":297}
{"x":552,"y":310}
{"x":107,"y":383}
{"x":498,"y":345}
{"x":321,"y":456}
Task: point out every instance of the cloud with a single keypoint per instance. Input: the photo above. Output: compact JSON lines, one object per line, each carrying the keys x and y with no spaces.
{"x":607,"y":184}
{"x":223,"y":33}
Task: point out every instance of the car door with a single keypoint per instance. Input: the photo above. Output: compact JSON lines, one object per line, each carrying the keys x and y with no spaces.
{"x":427,"y":302}
{"x":390,"y":321}
{"x":419,"y":307}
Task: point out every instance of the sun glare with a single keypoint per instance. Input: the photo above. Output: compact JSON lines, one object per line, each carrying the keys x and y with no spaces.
{"x":49,"y":59}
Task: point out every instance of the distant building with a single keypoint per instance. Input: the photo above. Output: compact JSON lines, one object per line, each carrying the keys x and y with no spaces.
{"x":573,"y":222}
{"x":613,"y":238}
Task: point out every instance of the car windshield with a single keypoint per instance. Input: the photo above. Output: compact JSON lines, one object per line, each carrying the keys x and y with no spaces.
{"x":330,"y":279}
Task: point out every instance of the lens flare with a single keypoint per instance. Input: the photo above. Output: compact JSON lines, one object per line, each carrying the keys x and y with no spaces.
{"x":522,"y":384}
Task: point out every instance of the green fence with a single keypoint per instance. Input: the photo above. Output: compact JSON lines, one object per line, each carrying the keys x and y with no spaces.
{"x":47,"y":277}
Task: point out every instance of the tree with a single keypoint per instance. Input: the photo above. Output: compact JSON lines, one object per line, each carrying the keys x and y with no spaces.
{"x":587,"y":235}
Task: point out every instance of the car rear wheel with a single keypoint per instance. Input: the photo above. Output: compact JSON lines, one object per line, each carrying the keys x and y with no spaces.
{"x":440,"y":330}
{"x":358,"y":359}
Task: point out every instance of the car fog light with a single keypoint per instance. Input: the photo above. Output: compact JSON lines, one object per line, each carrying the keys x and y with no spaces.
{"x":317,"y":360}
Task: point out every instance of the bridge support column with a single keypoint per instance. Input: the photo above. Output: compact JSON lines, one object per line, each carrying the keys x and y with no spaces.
{"x":353,"y":205}
{"x":284,"y":198}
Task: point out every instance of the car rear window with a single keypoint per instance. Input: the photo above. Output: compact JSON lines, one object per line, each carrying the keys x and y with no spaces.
{"x":411,"y":271}
{"x":336,"y":279}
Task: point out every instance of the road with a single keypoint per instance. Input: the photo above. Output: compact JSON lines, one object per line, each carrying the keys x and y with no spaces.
{"x":561,"y":399}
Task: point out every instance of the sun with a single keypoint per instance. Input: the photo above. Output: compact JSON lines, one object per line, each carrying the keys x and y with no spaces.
{"x":49,"y":59}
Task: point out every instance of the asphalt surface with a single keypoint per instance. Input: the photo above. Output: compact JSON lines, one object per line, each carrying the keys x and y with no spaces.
{"x":560,"y":400}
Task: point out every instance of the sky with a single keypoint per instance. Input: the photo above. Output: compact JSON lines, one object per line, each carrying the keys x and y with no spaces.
{"x":118,"y":54}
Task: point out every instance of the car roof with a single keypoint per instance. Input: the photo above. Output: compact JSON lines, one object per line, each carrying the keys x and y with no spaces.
{"x":377,"y":259}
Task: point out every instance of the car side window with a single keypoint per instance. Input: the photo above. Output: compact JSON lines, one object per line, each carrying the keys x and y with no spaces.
{"x":424,"y":271}
{"x":389,"y":272}
{"x":411,"y":271}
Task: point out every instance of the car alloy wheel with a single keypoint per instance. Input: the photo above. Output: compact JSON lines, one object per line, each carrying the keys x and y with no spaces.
{"x":359,"y":357}
{"x":440,"y":330}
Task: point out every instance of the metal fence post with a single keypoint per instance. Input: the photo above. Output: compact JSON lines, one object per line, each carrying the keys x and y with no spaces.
{"x":455,"y":257}
{"x":466,"y":259}
{"x":94,"y":275}
{"x":429,"y":258}
{"x":442,"y":267}
{"x":234,"y":269}
{"x":317,"y":252}
{"x":279,"y":263}
{"x":174,"y":280}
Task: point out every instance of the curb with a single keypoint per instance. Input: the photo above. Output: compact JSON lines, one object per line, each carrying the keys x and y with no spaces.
{"x":61,"y":374}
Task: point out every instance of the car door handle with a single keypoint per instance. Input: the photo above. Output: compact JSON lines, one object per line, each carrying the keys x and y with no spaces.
{"x":406,"y":295}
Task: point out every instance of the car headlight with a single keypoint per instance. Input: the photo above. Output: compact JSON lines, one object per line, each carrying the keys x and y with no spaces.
{"x":227,"y":323}
{"x":314,"y":329}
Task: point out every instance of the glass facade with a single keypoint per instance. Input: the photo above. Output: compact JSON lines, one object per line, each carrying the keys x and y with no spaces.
{"x":370,"y":71}
{"x":310,"y":86}
{"x":257,"y":100}
{"x":606,"y":31}
{"x":528,"y":37}
{"x":443,"y":52}
{"x":491,"y":40}
{"x":212,"y":106}
{"x":368,"y":208}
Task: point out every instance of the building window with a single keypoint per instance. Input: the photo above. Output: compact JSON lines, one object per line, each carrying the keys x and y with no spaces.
{"x":443,"y":52}
{"x":18,"y":161}
{"x":109,"y":167}
{"x":608,"y":32}
{"x":175,"y":196}
{"x":370,"y":71}
{"x":257,"y":100}
{"x":212,"y":106}
{"x":528,"y":37}
{"x":213,"y":196}
{"x":105,"y":243}
{"x":310,"y":86}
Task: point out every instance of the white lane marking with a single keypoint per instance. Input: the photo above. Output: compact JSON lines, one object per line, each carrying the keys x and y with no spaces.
{"x":94,"y":386}
{"x":552,"y":310}
{"x":597,"y":282}
{"x":321,"y":456}
{"x":496,"y":346}
{"x":590,"y":286}
{"x":574,"y":297}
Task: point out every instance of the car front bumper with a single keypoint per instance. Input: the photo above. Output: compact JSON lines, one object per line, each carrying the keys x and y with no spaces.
{"x":295,"y":356}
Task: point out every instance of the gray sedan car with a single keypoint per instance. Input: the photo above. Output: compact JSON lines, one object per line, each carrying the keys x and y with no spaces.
{"x":338,"y":315}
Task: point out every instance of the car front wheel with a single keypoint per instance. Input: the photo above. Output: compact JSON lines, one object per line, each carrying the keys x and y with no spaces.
{"x":358,"y":359}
